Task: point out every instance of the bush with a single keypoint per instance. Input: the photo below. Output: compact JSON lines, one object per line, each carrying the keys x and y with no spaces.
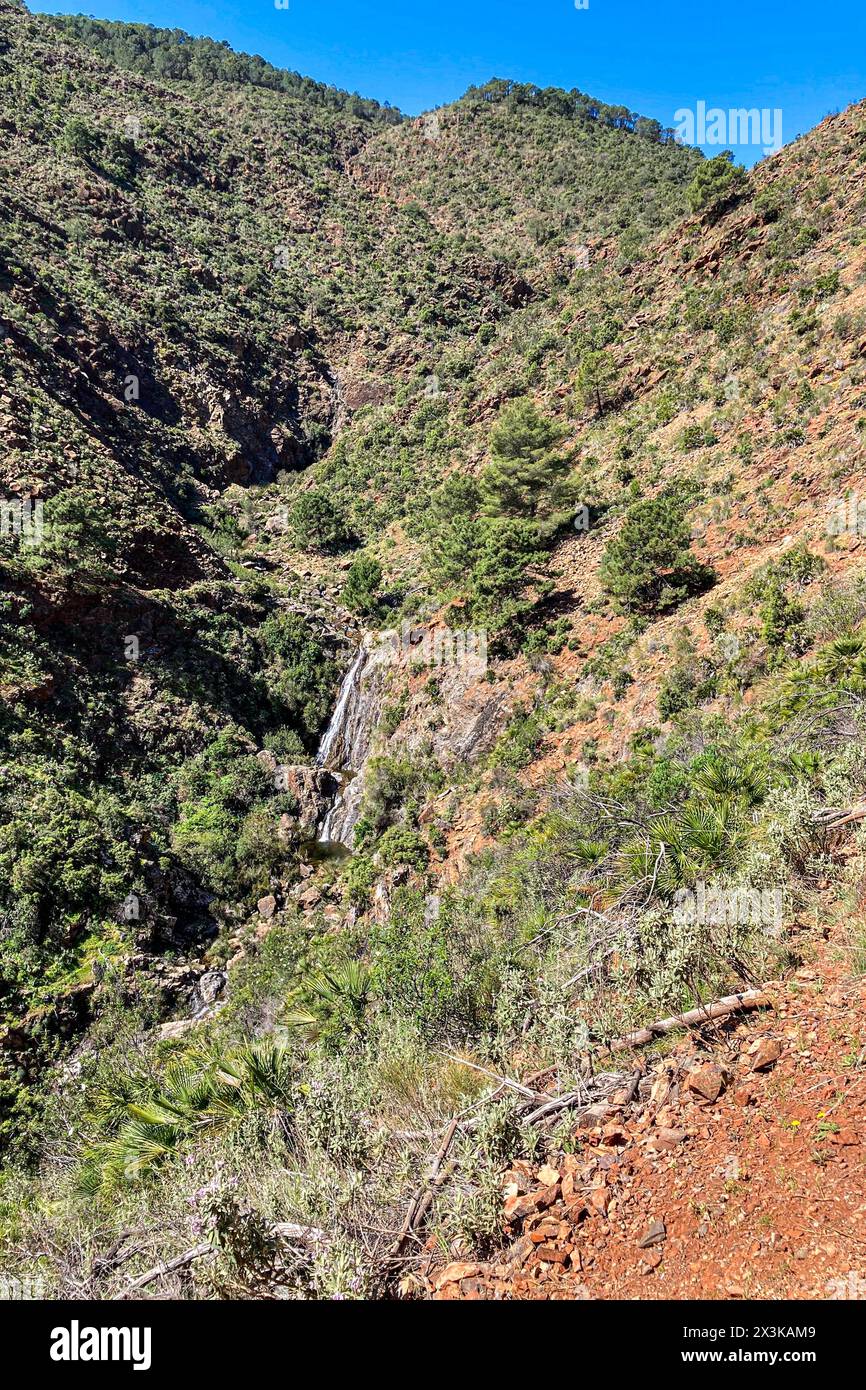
{"x":226,"y":832}
{"x":80,"y":139}
{"x":362,"y":590}
{"x":401,"y":846}
{"x":412,"y":967}
{"x":508,"y":552}
{"x":781,"y":620}
{"x":303,"y":675}
{"x":649,"y":566}
{"x":318,"y":523}
{"x":596,"y":379}
{"x":526,"y":475}
{"x":694,"y":436}
{"x":687,"y":686}
{"x":716,"y":184}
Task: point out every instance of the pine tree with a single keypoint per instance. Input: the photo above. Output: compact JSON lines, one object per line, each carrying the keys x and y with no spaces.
{"x":716,"y":183}
{"x":595,"y":379}
{"x":361,"y":592}
{"x":649,"y":566}
{"x":526,"y":475}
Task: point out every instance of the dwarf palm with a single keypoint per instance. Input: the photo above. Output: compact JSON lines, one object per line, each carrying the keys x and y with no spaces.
{"x":337,"y":1000}
{"x":203,"y":1092}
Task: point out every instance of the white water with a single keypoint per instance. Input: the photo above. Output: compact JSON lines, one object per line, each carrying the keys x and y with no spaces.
{"x":346,"y":744}
{"x":325,"y":830}
{"x":335,"y":728}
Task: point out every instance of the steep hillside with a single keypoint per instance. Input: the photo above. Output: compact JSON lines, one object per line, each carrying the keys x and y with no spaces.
{"x":286,"y":370}
{"x":531,"y":175}
{"x":196,"y":293}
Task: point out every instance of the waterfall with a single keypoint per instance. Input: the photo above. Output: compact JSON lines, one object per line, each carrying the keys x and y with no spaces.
{"x":346,"y":744}
{"x":347,"y":689}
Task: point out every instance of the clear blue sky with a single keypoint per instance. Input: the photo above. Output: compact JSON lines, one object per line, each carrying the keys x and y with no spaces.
{"x":655,"y":56}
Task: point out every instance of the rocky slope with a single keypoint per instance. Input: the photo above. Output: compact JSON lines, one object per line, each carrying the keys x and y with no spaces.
{"x":195,"y":303}
{"x":731,"y":1168}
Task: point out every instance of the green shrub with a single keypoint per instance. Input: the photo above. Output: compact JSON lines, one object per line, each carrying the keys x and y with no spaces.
{"x":80,"y":138}
{"x":687,"y":686}
{"x":318,"y":523}
{"x":526,"y":475}
{"x":400,"y":845}
{"x":649,"y":566}
{"x":596,"y":379}
{"x":413,"y":969}
{"x":716,"y":184}
{"x":362,"y":590}
{"x":302,"y":673}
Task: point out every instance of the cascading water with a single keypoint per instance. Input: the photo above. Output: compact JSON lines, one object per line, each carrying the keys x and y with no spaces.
{"x":347,"y":689}
{"x":346,"y":744}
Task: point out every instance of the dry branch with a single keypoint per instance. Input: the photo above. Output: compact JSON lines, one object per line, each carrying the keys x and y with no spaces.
{"x":423,"y":1199}
{"x":831,"y":818}
{"x":285,"y":1230}
{"x":304,"y":1235}
{"x":731,"y":1004}
{"x":503,"y":1080}
{"x":179,"y":1262}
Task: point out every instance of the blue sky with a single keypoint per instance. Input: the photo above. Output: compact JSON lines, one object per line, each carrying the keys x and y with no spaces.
{"x":655,"y":56}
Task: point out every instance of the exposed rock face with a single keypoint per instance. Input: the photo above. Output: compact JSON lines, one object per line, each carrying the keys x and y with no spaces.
{"x":468,"y":716}
{"x":312,"y":788}
{"x":211,"y":985}
{"x":462,"y":726}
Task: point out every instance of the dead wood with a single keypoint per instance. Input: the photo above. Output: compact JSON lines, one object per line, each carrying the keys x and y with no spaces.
{"x":833,"y":818}
{"x":286,"y":1230}
{"x":732,"y":1003}
{"x":423,"y":1198}
{"x":197,"y":1252}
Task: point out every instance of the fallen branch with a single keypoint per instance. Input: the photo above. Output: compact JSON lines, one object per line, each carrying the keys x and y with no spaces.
{"x":831,"y":818}
{"x":423,"y":1199}
{"x":731,"y":1004}
{"x":179,"y":1262}
{"x":503,"y":1080}
{"x":304,"y":1235}
{"x":285,"y":1230}
{"x":553,"y":1106}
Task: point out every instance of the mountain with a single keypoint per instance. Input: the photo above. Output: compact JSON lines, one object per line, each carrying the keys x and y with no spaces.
{"x":579,"y":417}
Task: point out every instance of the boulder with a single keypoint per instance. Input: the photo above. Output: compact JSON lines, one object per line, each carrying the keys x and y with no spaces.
{"x":211,"y":985}
{"x":765,"y":1053}
{"x":706,"y":1082}
{"x":312,"y":789}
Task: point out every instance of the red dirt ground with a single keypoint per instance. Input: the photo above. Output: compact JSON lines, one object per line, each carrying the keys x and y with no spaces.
{"x":759,"y":1194}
